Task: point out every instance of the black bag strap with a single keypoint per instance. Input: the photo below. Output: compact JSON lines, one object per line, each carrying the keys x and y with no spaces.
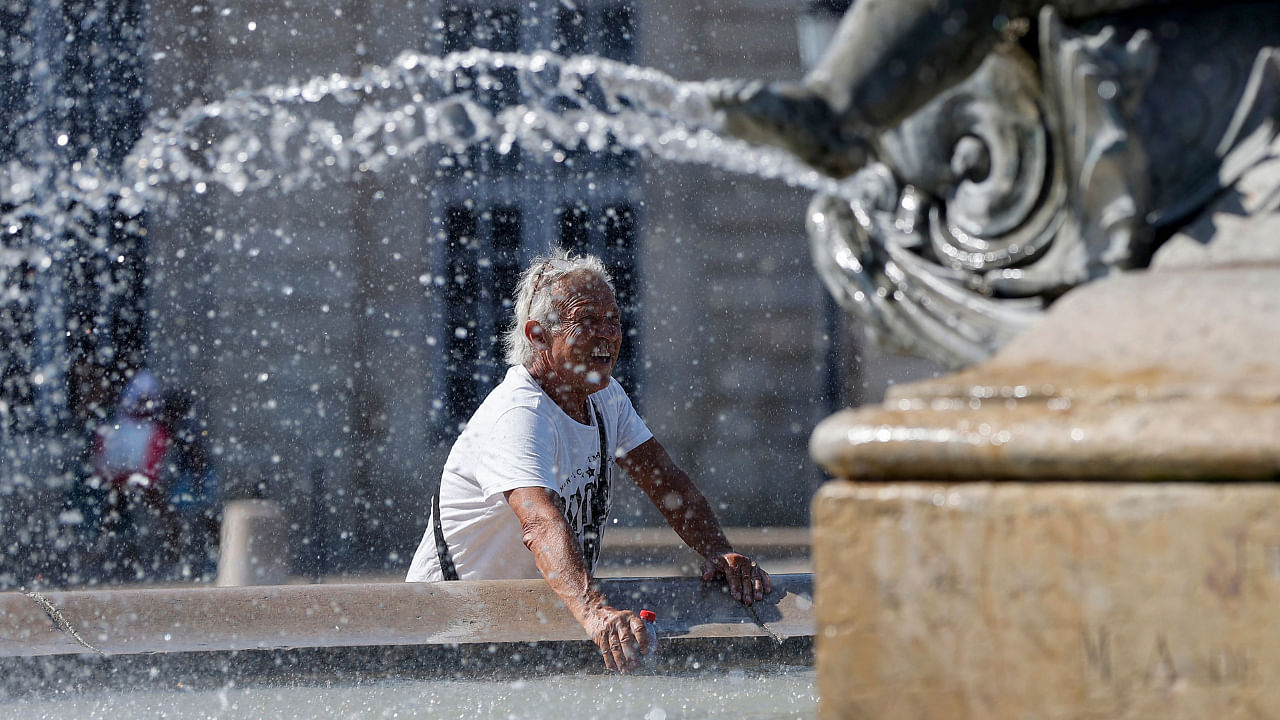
{"x":591,"y":541}
{"x":604,"y":443}
{"x":442,"y":548}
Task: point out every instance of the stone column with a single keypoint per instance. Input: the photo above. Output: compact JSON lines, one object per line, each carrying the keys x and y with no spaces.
{"x":1082,"y":527}
{"x":254,"y":545}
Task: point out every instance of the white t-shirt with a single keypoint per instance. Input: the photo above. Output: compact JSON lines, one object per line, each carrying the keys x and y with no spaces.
{"x":519,"y":437}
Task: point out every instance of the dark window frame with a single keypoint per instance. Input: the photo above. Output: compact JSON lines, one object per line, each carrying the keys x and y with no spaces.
{"x":573,"y":210}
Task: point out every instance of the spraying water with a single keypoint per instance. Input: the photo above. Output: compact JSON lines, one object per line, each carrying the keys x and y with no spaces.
{"x":294,"y":136}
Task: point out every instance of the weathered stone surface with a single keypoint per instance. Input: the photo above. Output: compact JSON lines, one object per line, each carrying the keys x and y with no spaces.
{"x":1063,"y":600}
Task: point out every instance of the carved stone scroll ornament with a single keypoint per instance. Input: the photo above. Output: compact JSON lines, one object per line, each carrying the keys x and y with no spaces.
{"x":934,"y":245}
{"x":1008,"y":189}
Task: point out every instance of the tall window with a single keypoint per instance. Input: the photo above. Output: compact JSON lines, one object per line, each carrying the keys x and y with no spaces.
{"x":506,"y":259}
{"x":607,"y":30}
{"x":73,"y":305}
{"x":490,"y":28}
{"x":610,"y":233}
{"x":618,"y":33}
{"x":461,"y":295}
{"x":574,"y":223}
{"x":618,"y":226}
{"x":482,"y":255}
{"x":496,"y":211}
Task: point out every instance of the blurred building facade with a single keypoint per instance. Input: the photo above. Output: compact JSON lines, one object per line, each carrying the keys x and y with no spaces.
{"x":336,"y":335}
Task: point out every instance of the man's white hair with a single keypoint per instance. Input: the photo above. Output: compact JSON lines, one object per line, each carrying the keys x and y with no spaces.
{"x":534,"y":299}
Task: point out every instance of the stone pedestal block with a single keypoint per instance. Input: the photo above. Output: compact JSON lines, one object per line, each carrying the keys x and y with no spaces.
{"x":1063,"y":600}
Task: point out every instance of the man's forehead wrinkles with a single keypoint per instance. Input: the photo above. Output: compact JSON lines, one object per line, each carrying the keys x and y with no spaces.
{"x":588,"y":301}
{"x":575,"y":310}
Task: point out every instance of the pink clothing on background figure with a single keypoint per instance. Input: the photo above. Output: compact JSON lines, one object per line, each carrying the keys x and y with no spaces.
{"x":129,"y":450}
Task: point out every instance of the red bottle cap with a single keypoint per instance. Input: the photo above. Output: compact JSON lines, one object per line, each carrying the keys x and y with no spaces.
{"x":648,"y":615}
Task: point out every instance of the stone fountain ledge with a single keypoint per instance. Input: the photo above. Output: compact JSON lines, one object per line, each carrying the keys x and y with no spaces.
{"x":126,"y":622}
{"x":1143,"y":376}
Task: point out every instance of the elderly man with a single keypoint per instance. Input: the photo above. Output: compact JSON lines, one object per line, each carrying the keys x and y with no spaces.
{"x":525,"y":490}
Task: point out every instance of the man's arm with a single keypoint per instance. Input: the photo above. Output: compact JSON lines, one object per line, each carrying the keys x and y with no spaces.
{"x":688,"y":513}
{"x":620,"y":634}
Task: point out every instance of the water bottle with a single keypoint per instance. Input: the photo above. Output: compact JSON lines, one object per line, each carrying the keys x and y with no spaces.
{"x":650,"y":618}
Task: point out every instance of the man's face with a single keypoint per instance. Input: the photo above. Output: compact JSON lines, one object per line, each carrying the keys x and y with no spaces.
{"x":584,"y":349}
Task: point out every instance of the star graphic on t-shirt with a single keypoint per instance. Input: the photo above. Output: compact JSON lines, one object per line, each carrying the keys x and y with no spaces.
{"x":591,"y":472}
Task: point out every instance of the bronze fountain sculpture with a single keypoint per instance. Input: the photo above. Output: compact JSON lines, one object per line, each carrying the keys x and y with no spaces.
{"x":1009,"y":150}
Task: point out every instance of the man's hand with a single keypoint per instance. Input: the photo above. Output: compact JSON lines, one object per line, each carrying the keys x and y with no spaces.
{"x":748,"y":583}
{"x":688,"y":513}
{"x":620,"y":635}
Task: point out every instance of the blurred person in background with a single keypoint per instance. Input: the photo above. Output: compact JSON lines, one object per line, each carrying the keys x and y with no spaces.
{"x":128,"y":455}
